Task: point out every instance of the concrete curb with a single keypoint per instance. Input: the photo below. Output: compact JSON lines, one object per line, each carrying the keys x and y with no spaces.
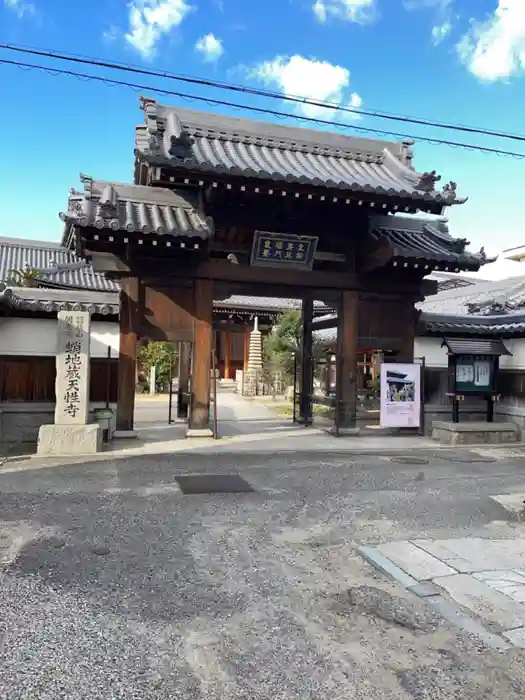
{"x":15,"y":458}
{"x":513,"y":504}
{"x":431,"y":594}
{"x":387,"y":567}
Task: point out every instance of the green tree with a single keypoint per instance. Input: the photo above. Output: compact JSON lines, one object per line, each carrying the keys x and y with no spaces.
{"x":284,"y":341}
{"x":159,"y":354}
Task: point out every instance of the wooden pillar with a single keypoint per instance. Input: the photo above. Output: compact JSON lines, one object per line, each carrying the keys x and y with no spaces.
{"x":306,"y":381}
{"x":246,"y":348}
{"x":127,"y":363}
{"x":183,"y":396}
{"x":199,"y":418}
{"x":347,"y":348}
{"x":406,"y":352}
{"x":226,"y":344}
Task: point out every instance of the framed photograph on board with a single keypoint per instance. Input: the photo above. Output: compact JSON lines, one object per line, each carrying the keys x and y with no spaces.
{"x":400,"y":395}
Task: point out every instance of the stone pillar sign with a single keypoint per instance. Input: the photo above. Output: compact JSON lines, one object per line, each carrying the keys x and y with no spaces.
{"x":72,"y":367}
{"x":72,"y":434}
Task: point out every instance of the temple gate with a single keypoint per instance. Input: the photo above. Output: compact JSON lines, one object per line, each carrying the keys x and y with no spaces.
{"x":224,"y":206}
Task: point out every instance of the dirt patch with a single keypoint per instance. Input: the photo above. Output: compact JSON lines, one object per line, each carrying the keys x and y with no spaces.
{"x":399,"y":612}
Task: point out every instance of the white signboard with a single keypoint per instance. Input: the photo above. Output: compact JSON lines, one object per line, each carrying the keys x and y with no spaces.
{"x":72,"y":364}
{"x":400,"y":396}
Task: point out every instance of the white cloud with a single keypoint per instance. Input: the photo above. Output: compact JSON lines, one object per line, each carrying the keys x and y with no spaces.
{"x":210,"y":47}
{"x":111,"y":34}
{"x":360,"y":11}
{"x":442,"y":10}
{"x":314,"y":80}
{"x":149,"y":20}
{"x":495,"y":49}
{"x":440,"y":32}
{"x":440,"y":5}
{"x":20,"y":7}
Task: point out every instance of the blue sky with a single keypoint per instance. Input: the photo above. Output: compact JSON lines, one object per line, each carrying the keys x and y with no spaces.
{"x":461,"y":61}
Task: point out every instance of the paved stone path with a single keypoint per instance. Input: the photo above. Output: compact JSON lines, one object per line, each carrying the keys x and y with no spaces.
{"x":483,"y":576}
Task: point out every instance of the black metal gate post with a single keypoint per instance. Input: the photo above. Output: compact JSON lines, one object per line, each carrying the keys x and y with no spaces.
{"x":214,"y":393}
{"x":306,"y":365}
{"x":294,"y":395}
{"x":421,"y":362}
{"x":183,"y":391}
{"x":338,"y":400}
{"x":170,"y":404}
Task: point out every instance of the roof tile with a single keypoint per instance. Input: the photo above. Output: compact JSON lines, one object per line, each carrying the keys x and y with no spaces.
{"x":136,"y":209}
{"x":211,"y":143}
{"x":424,"y":240}
{"x":56,"y":264}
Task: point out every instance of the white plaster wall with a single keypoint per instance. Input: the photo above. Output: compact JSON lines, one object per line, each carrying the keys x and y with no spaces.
{"x":517,"y":347}
{"x":34,"y":336}
{"x":431,"y":350}
{"x":436,"y":356}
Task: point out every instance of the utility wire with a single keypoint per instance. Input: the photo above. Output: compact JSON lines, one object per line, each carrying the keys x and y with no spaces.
{"x":232,"y":105}
{"x":203,"y":82}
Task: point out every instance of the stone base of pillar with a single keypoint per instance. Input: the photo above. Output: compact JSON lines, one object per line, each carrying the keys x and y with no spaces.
{"x":69,"y":440}
{"x":346,"y":432}
{"x":124,"y":435}
{"x":199,"y":432}
{"x":348,"y":419}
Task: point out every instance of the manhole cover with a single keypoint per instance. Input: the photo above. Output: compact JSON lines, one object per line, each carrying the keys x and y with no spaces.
{"x":213,"y":483}
{"x":409,"y":460}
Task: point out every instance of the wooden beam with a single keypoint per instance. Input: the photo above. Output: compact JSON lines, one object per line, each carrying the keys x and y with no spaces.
{"x":127,"y":365}
{"x":108,"y":262}
{"x":376,"y":259}
{"x":246,"y":250}
{"x":221,"y":270}
{"x":175,"y":177}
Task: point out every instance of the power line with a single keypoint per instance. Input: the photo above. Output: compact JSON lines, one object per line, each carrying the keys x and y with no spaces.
{"x":232,"y":105}
{"x":204,"y":82}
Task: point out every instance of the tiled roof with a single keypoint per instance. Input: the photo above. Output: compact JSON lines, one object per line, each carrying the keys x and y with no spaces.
{"x":467,"y":346}
{"x":326,"y":335}
{"x":48,"y":258}
{"x":56,"y":265}
{"x":453,"y":280}
{"x":424,"y":241}
{"x":136,"y":209}
{"x":216,"y":144}
{"x":458,"y":301}
{"x":52,"y":300}
{"x":264,"y":303}
{"x":486,"y":308}
{"x":448,"y":311}
{"x":511,"y":325}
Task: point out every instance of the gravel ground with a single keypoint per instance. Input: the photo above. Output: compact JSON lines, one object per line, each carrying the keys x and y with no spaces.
{"x":113,"y":586}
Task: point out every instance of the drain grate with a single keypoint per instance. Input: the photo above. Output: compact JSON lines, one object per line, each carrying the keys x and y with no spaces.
{"x":409,"y":460}
{"x":193,"y":484}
